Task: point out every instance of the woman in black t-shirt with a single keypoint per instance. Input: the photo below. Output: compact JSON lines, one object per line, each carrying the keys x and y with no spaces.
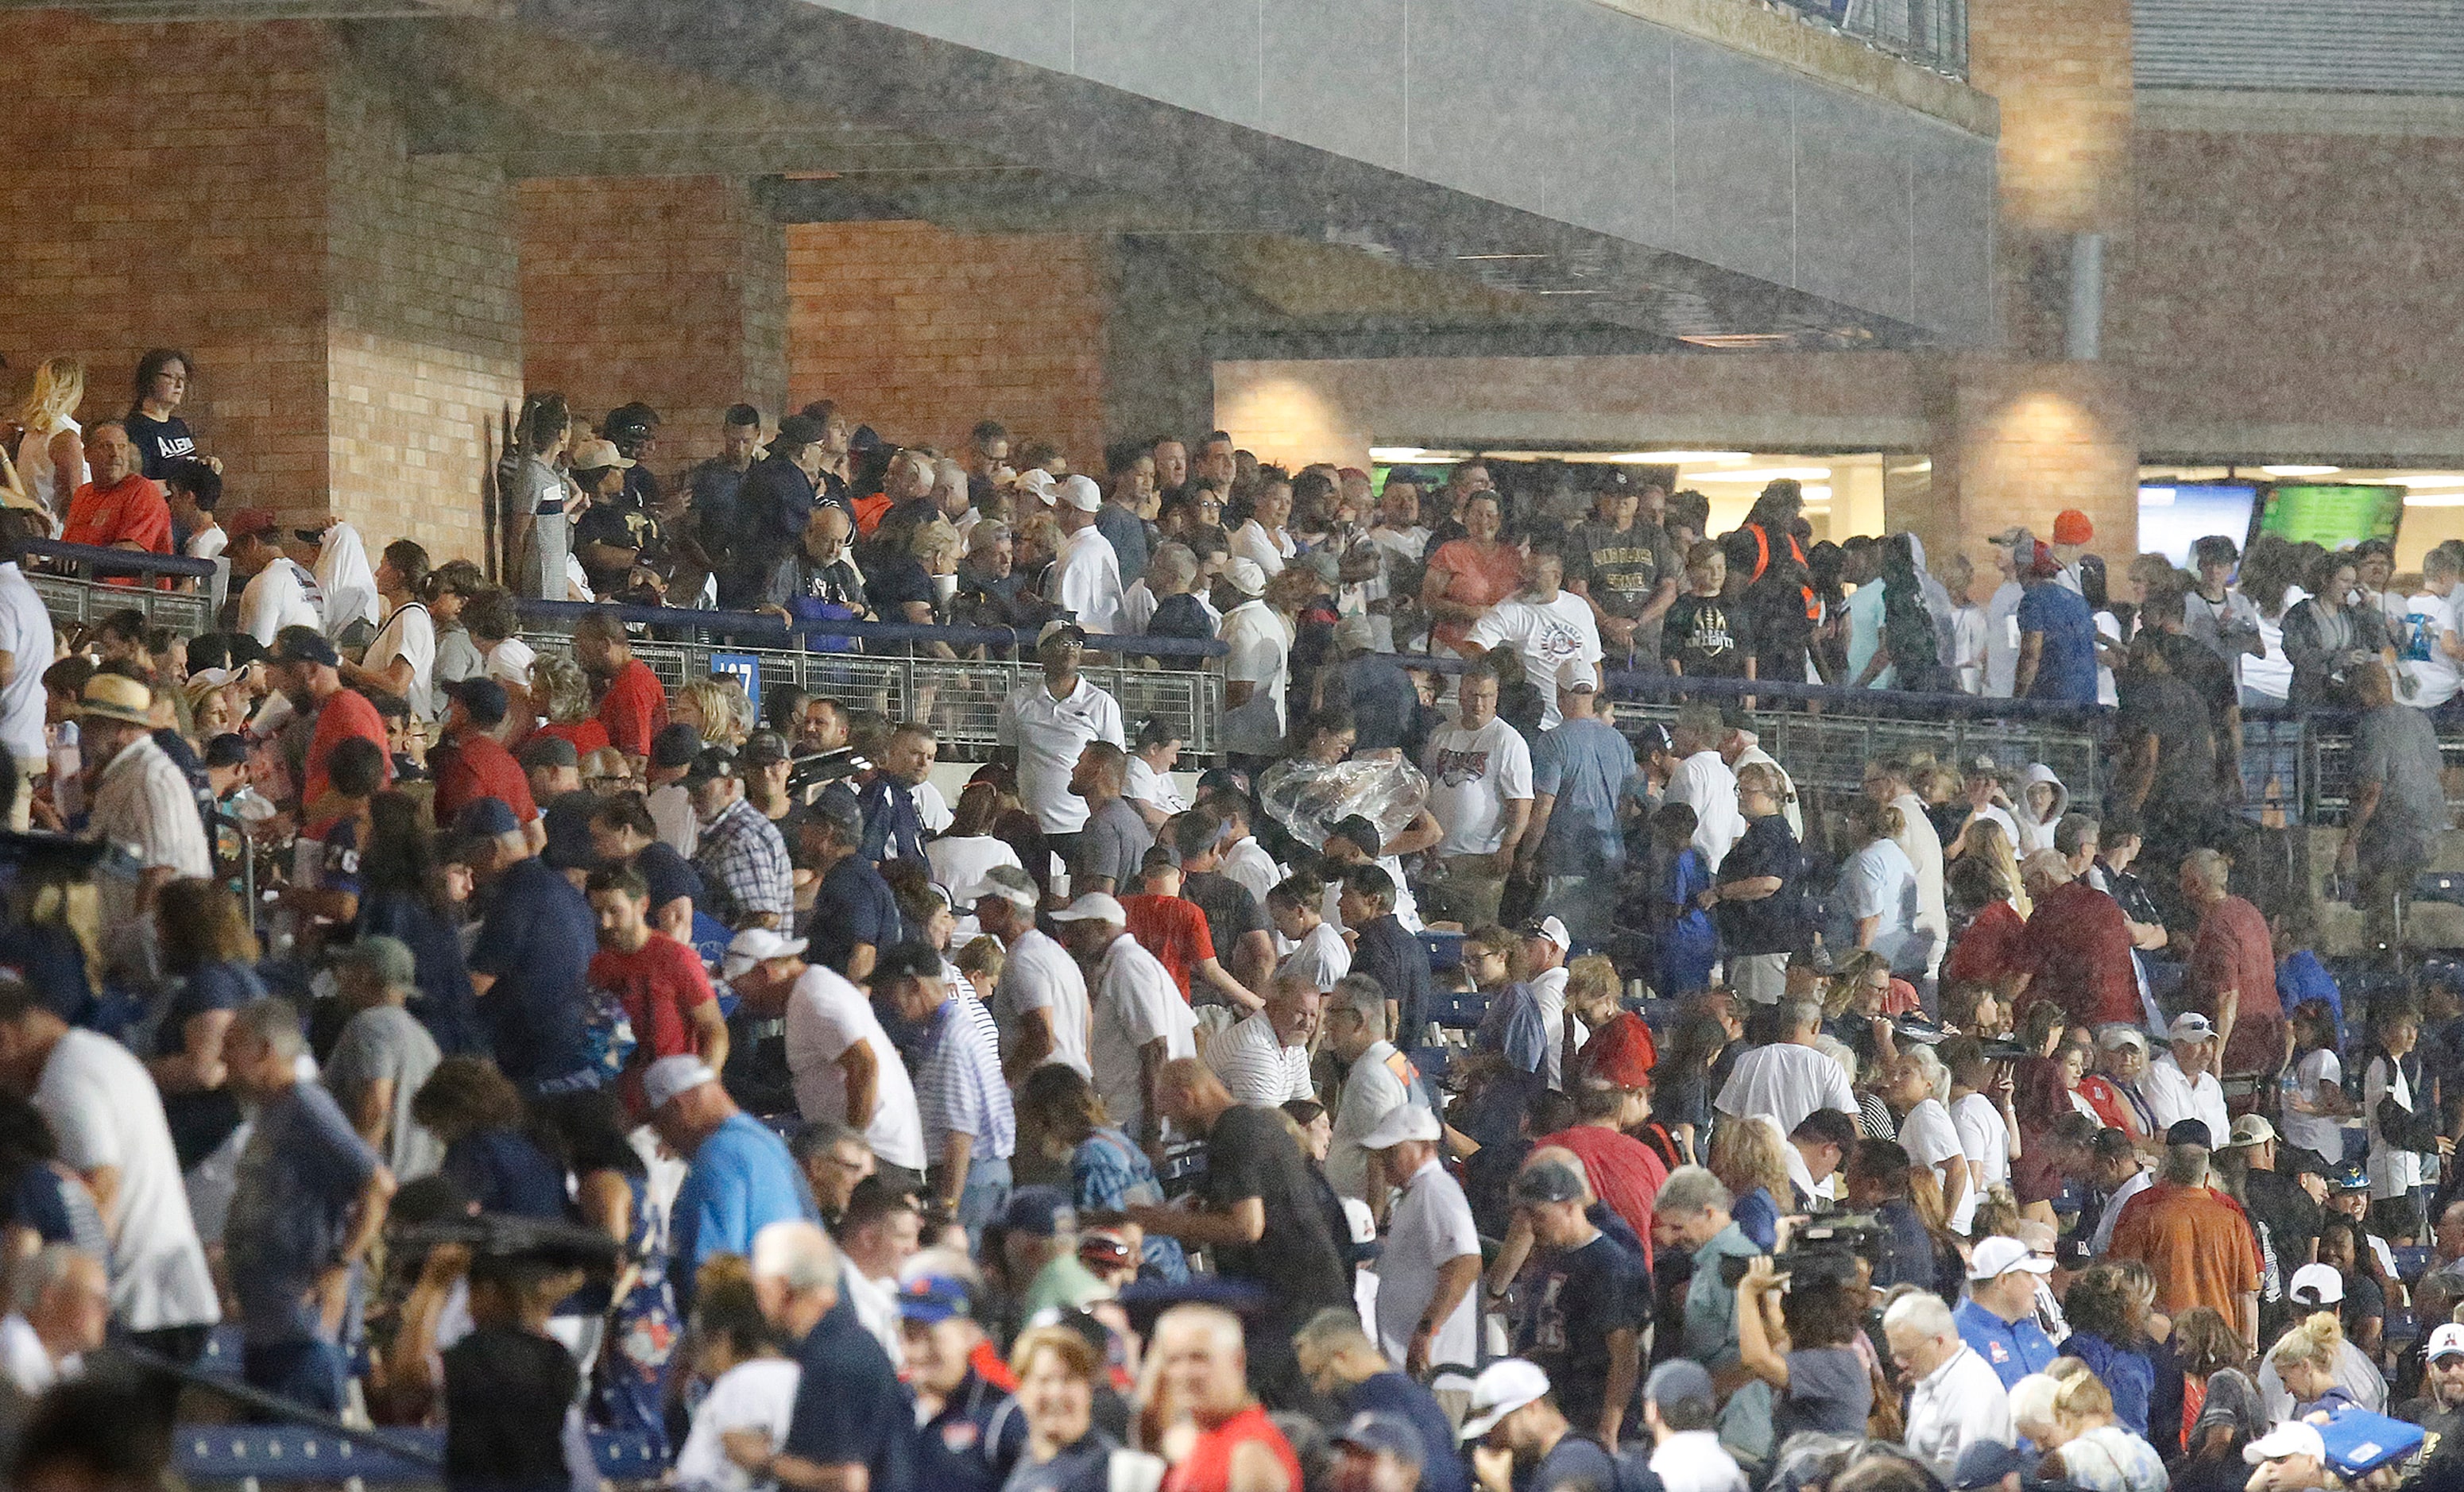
{"x":163,"y":439}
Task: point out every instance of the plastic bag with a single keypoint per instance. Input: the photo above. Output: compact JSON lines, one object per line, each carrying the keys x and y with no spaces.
{"x":1309,"y":799}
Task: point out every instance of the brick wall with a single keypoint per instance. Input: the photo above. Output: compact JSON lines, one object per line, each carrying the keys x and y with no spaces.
{"x":920,"y":331}
{"x":425,"y":345}
{"x":668,"y":290}
{"x":145,"y":214}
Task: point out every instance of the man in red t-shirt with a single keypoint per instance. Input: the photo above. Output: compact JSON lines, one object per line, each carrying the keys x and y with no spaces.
{"x":306,"y":669}
{"x":1175,"y":931}
{"x":666,"y":995}
{"x":1623,"y":1172}
{"x":2076,"y":950}
{"x":632,"y":703}
{"x":470,"y":763}
{"x":121,"y":508}
{"x":2232,"y":976}
{"x":1202,"y":1362}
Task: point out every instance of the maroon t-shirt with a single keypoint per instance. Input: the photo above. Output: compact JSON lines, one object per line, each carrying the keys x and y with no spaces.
{"x":1624,"y":1172}
{"x":2233,"y":951}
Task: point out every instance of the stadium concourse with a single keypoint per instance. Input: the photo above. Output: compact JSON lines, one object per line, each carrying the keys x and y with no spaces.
{"x":853,"y":965}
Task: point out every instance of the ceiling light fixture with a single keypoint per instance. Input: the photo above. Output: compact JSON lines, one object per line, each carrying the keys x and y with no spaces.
{"x":1686,"y":457}
{"x":1809,"y":473}
{"x":2421,"y":479}
{"x":2300,"y":471}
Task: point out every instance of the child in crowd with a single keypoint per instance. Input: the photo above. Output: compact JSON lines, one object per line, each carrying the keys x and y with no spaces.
{"x":1681,"y":922}
{"x":1705,"y":637}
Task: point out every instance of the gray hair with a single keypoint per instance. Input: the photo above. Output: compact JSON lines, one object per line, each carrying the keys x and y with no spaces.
{"x":1171,"y":568}
{"x":1690,"y":1189}
{"x":1365,"y":997}
{"x":948,"y":476}
{"x":1922,"y":1313}
{"x":986,"y":533}
{"x":1805,"y":1015}
{"x":1333,"y":1329}
{"x":275,"y":1022}
{"x":37,"y":1276}
{"x":797,"y":1253}
{"x":2185,"y":1165}
{"x":2211,"y":866}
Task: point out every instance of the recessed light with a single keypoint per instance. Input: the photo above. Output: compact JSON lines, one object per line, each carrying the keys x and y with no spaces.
{"x":2422,"y":479}
{"x":1810,"y":473}
{"x":2300,"y":471}
{"x":1686,"y":457}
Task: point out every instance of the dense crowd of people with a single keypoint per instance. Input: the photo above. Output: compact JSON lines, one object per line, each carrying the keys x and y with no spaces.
{"x":501,"y":1038}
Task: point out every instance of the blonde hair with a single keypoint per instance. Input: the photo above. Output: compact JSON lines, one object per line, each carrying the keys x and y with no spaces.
{"x":1746,"y":1155}
{"x":559,"y":689}
{"x":981,"y":961}
{"x":726,"y":710}
{"x":1590,"y":978}
{"x":2318,"y":1340}
{"x":2081,"y":1399}
{"x":1987,"y":841}
{"x":60,"y":387}
{"x":935,"y":541}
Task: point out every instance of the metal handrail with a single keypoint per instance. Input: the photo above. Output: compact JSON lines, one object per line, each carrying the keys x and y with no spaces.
{"x":763,"y":624}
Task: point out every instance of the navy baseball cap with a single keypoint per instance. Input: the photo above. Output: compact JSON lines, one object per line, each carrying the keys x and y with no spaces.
{"x":1041,"y":1210}
{"x":675,"y":746}
{"x":303,"y":645}
{"x":485,"y":698}
{"x":1375,"y":1430}
{"x":931,"y":1298}
{"x":486,"y":818}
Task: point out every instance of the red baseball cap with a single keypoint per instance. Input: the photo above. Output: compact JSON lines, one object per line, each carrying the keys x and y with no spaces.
{"x":249,"y":522}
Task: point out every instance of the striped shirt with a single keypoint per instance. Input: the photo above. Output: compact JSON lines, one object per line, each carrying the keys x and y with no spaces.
{"x":142,"y":804}
{"x":959,"y":1088}
{"x":744,"y":866}
{"x":1257,"y":1067}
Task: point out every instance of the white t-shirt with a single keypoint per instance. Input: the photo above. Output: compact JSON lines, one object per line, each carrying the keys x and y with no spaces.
{"x":2173,"y":1097}
{"x":1924,"y":849}
{"x":1135,"y":1002}
{"x":1320,"y":957}
{"x":280,"y":595}
{"x":26,"y":635}
{"x":104,"y":1111}
{"x":1247,"y":862}
{"x":2393,"y":1171}
{"x":1548,"y":990}
{"x":1547,"y":634}
{"x":2271,"y":673}
{"x":1704,"y":783}
{"x":1262,"y":646}
{"x":672,"y":813}
{"x":1431,"y":1226}
{"x":209,"y":542}
{"x":1049,"y":733}
{"x":1252,"y":541}
{"x":2002,"y":639}
{"x":1372,"y":1088}
{"x":1787,"y":1081}
{"x":959,"y":864}
{"x":826,"y":1016}
{"x":1086,"y":582}
{"x":759,"y":1395}
{"x":1147,"y":785}
{"x":1257,"y":1067}
{"x":2426,"y":619}
{"x":1472,"y":774}
{"x":410,"y":632}
{"x":1040,"y":975}
{"x":1930,"y":1139}
{"x":1982,"y":1139}
{"x":2316,"y":1133}
{"x":24,"y":1360}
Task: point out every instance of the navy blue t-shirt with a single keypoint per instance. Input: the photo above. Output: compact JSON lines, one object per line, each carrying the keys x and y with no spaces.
{"x":1441,"y":1462}
{"x":46,"y":958}
{"x":853,"y":904}
{"x":201,"y":1121}
{"x":1576,"y":1463}
{"x":2066,"y":667}
{"x":445,"y":1004}
{"x":1584,"y":1295}
{"x":850,"y":1404}
{"x":1777,"y":923}
{"x":538,"y":940}
{"x":504,"y":1171}
{"x":974,"y":1442}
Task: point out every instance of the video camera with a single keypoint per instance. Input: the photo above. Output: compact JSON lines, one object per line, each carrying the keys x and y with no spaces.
{"x":1824,"y":1251}
{"x":810,"y":772}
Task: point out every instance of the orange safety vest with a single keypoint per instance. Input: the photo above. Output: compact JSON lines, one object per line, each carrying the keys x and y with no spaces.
{"x":1762,"y":562}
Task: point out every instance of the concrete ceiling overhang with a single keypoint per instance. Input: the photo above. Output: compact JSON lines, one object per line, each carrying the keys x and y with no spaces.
{"x":1745,"y":204}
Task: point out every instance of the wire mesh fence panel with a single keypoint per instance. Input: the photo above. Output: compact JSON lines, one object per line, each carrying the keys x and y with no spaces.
{"x":1181,"y":699}
{"x":963,"y":700}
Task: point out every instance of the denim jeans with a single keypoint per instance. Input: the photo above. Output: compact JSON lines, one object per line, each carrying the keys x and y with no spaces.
{"x":985,"y":1193}
{"x":305,"y":1372}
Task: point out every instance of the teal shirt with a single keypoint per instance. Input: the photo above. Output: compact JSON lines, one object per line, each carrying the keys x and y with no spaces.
{"x":1711,"y":1302}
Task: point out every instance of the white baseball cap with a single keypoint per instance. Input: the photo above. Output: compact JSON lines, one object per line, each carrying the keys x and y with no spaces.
{"x":1402,"y":1122}
{"x":1007,"y":882}
{"x":2448,"y":1341}
{"x":753,"y":946}
{"x":1037,"y":480}
{"x":2190,"y":1027}
{"x":1078,"y":492}
{"x":1247,"y":576}
{"x":671,"y":1077}
{"x":1502,"y":1388}
{"x":2293,"y":1437}
{"x":1093,"y":907}
{"x":1576,"y":675}
{"x":2317,"y":1284}
{"x":1552,"y":929}
{"x":1998,"y":1256}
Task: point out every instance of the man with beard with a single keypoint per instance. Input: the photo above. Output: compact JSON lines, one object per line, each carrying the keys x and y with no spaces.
{"x":308,"y":671}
